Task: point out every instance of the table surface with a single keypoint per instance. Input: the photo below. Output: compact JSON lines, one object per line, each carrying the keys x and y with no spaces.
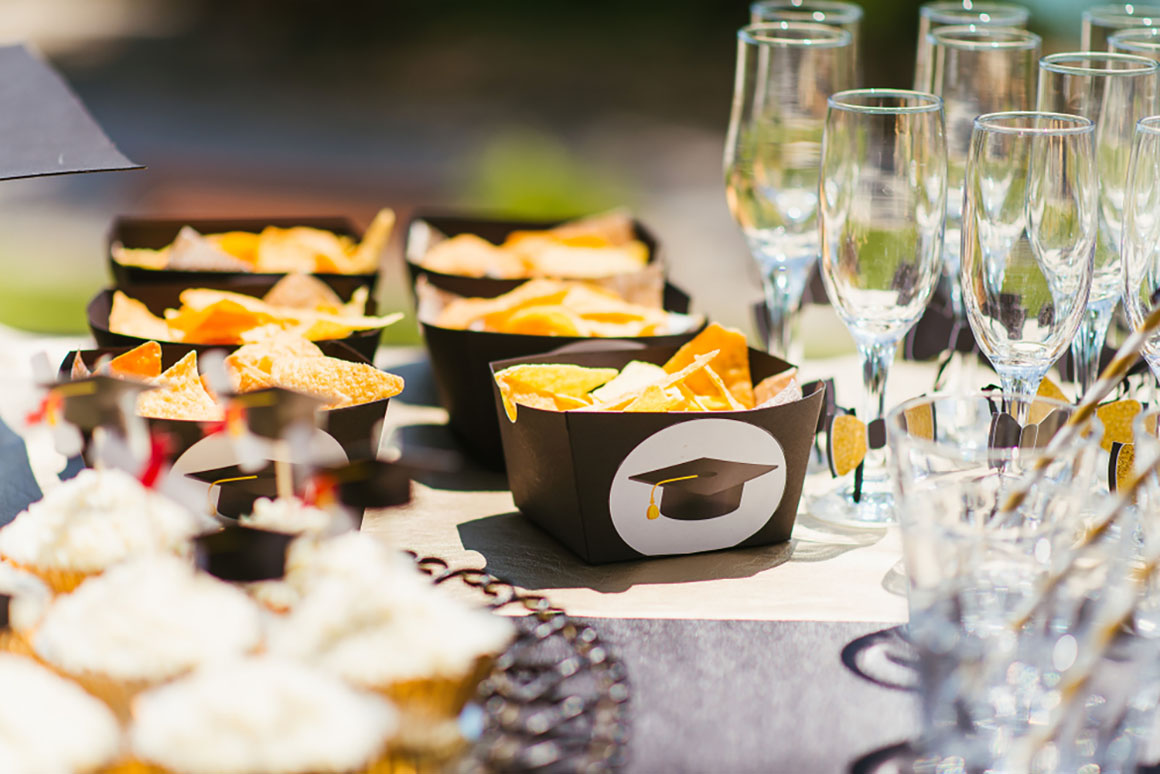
{"x":735,"y":657}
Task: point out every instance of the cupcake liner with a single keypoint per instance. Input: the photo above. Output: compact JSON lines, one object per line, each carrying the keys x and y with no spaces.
{"x":439,"y":696}
{"x":132,"y":766}
{"x":117,"y":694}
{"x":58,"y":581}
{"x":12,"y":641}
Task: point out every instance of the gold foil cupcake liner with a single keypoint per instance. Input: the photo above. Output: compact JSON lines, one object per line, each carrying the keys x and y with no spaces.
{"x":132,"y":766}
{"x":58,"y":580}
{"x":441,"y":697}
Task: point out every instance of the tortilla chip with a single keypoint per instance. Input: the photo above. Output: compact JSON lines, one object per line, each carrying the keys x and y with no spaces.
{"x":142,"y":362}
{"x":543,"y":321}
{"x":140,"y":256}
{"x":366,"y":257}
{"x":721,"y":399}
{"x":301,"y":291}
{"x":79,"y":369}
{"x":680,"y":376}
{"x":633,"y":378}
{"x":731,"y":363}
{"x":219,"y":323}
{"x":771,"y":386}
{"x":300,"y":249}
{"x":242,"y":245}
{"x":181,"y":395}
{"x":246,"y":378}
{"x":343,"y":382}
{"x":130,"y":317}
{"x":656,"y":398}
{"x":570,"y":380}
{"x":468,"y":255}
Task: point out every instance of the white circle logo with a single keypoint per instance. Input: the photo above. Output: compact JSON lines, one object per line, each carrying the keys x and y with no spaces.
{"x":699,"y":485}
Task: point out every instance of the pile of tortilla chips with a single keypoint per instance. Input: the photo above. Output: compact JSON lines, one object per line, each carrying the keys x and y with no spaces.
{"x":553,"y":308}
{"x":709,"y":373}
{"x":297,"y":304}
{"x":599,"y":246}
{"x":284,"y":361}
{"x":274,"y":250}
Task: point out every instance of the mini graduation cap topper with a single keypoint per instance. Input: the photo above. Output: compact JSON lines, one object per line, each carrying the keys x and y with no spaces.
{"x":99,"y":401}
{"x":699,"y":489}
{"x":46,"y":129}
{"x":243,"y":554}
{"x":362,"y":484}
{"x":272,"y":411}
{"x":5,"y":603}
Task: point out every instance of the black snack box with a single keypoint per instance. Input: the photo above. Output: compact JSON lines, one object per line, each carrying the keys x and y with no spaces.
{"x":352,"y":426}
{"x":460,"y":363}
{"x":494,"y":230}
{"x":615,"y":486}
{"x":159,"y":297}
{"x":155,"y":233}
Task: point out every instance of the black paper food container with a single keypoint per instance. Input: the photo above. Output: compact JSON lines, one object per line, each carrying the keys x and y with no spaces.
{"x":460,"y":363}
{"x":352,"y":426}
{"x":236,"y":498}
{"x":571,"y":472}
{"x":159,"y":297}
{"x":155,"y":233}
{"x":494,"y":230}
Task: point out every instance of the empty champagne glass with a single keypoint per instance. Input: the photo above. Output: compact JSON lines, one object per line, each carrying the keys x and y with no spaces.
{"x":977,"y":70}
{"x":883,"y":192}
{"x":785,"y":72}
{"x":1102,"y":21}
{"x":1142,"y":233}
{"x":946,"y":13}
{"x":1029,"y":227}
{"x":1141,"y":41}
{"x":1114,"y":91}
{"x":834,"y":13}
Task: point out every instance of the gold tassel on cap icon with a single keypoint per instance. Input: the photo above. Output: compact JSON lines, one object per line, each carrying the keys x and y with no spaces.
{"x":653,"y":511}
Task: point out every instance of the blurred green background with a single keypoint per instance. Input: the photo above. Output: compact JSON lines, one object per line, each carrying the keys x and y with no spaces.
{"x":248,"y":107}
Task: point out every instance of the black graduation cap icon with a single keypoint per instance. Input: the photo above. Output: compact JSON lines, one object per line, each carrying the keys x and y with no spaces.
{"x":97,"y":401}
{"x":46,"y":129}
{"x":369,"y":483}
{"x":243,"y":554}
{"x":699,"y":489}
{"x":271,"y":411}
{"x":5,"y":601}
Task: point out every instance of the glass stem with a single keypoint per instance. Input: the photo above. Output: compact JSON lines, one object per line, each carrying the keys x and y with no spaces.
{"x":1019,"y":389}
{"x":1089,"y":343}
{"x":877,"y":355}
{"x":783,"y":297}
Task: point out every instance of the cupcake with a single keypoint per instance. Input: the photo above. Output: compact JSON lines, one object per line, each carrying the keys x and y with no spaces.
{"x":369,"y":616}
{"x":143,"y":623}
{"x":289,"y":515}
{"x":261,"y":715}
{"x":48,"y":724}
{"x":91,"y":522}
{"x":26,"y":598}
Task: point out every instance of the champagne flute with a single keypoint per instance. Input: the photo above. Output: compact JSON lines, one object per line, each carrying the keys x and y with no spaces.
{"x":977,"y":70}
{"x":1102,"y":21}
{"x":835,"y":13}
{"x":946,"y":13}
{"x":1141,"y":41}
{"x":1114,"y":91}
{"x":883,"y":206}
{"x":785,"y":72}
{"x":1142,"y":233}
{"x":1029,"y":228}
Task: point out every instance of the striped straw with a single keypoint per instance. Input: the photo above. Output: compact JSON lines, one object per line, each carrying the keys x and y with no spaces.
{"x":1126,"y":357}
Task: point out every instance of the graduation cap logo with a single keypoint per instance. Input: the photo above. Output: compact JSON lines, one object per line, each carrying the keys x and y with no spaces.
{"x":704,"y":488}
{"x":716,"y":483}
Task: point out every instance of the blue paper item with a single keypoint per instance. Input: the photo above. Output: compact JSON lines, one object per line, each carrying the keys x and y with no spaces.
{"x":18,"y":487}
{"x":46,"y":128}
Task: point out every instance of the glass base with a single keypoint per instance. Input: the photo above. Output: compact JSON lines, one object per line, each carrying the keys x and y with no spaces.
{"x":874,"y":508}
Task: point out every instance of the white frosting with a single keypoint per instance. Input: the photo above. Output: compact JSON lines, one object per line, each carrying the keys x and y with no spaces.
{"x":289,"y":515}
{"x":30,"y":598}
{"x":368,"y":615}
{"x":95,"y":520}
{"x":153,"y":618}
{"x":260,"y":715}
{"x":48,"y":724}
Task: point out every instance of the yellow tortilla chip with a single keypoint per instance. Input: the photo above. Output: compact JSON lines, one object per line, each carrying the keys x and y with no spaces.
{"x":771,"y":386}
{"x":343,"y":382}
{"x":79,"y":369}
{"x":181,"y":395}
{"x":672,"y":379}
{"x":300,"y":249}
{"x":140,"y":256}
{"x":731,"y":363}
{"x":468,"y":255}
{"x":301,"y":291}
{"x":246,"y":378}
{"x":571,"y":380}
{"x":365,"y":259}
{"x":543,"y":321}
{"x":130,"y":317}
{"x":721,"y":399}
{"x":219,"y":323}
{"x":143,"y":362}
{"x":242,"y":245}
{"x":656,"y":398}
